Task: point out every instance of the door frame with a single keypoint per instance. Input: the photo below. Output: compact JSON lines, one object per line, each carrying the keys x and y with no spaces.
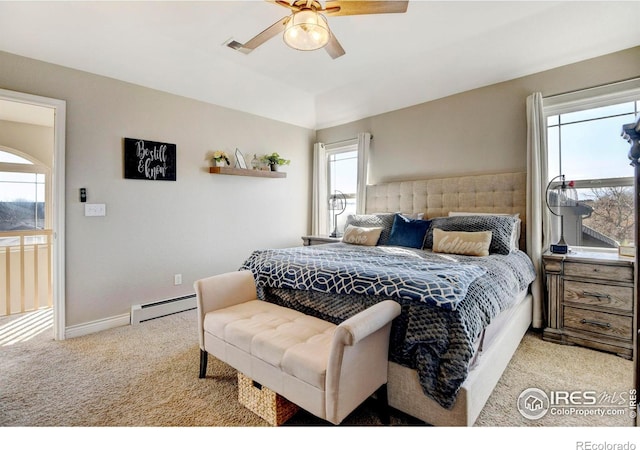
{"x":58,"y":208}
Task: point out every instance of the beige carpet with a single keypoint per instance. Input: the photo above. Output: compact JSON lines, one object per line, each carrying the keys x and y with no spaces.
{"x":147,"y":375}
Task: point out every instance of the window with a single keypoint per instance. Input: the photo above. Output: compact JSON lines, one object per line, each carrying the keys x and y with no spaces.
{"x":584,"y":144}
{"x":342,"y":178}
{"x":340,"y":166}
{"x":23,"y":193}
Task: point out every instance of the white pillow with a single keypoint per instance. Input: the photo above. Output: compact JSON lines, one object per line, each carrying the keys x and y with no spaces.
{"x":361,"y":235}
{"x":472,"y":243}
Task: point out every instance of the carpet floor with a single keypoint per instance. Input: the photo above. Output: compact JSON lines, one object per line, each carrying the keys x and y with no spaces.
{"x":147,"y":376}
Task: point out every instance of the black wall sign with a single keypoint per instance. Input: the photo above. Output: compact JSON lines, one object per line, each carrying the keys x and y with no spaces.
{"x":149,"y":160}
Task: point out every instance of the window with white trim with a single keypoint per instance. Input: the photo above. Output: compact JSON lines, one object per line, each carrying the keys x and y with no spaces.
{"x":584,"y":143}
{"x":342,"y":178}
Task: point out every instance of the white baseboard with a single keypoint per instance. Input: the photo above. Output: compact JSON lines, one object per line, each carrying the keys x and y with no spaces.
{"x":97,"y":325}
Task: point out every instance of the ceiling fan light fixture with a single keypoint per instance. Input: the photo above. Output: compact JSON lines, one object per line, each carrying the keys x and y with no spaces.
{"x":306,"y":30}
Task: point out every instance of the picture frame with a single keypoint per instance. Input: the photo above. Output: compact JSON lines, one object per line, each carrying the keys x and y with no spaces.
{"x":240,"y":162}
{"x":149,"y":160}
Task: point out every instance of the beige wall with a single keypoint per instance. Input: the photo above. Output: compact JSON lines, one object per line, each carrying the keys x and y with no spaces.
{"x":479,"y":131}
{"x":34,"y":140}
{"x":204,"y":224}
{"x":199,"y":225}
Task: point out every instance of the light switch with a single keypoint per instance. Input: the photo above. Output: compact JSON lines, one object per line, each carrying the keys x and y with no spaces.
{"x":95,"y":209}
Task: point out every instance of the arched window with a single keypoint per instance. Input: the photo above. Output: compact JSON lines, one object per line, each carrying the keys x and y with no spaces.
{"x":24,"y":192}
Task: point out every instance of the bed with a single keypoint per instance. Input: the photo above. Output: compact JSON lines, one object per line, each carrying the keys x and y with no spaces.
{"x":463,"y":315}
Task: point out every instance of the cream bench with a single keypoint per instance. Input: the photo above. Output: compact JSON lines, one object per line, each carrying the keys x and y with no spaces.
{"x":324,"y":368}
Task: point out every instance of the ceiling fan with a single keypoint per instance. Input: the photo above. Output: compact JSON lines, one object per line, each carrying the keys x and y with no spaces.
{"x":307,"y":28}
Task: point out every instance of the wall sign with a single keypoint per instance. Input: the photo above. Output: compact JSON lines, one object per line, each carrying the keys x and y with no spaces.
{"x":149,"y":160}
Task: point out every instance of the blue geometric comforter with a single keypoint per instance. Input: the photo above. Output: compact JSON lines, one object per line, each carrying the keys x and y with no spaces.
{"x":382,"y":271}
{"x":446,"y":300}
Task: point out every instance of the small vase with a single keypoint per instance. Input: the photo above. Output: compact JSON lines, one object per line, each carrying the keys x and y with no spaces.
{"x":220,"y":163}
{"x":275,"y":167}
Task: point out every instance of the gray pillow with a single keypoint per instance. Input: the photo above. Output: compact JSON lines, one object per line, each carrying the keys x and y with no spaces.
{"x":384,"y":220}
{"x":503,"y":230}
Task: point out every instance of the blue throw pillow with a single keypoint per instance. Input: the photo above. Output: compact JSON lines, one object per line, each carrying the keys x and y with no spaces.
{"x":407,"y":232}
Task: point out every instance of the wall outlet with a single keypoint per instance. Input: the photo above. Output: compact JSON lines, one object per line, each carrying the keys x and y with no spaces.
{"x":95,"y":209}
{"x":177,"y":279}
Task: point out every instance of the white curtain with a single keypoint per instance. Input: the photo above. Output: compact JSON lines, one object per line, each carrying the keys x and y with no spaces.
{"x":319,"y":207}
{"x":363,"y":171}
{"x":537,"y":231}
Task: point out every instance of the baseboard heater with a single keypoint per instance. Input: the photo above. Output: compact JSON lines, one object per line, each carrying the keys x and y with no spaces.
{"x":154,"y":310}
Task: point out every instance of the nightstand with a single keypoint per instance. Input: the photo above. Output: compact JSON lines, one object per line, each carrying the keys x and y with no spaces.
{"x":590,"y":300}
{"x":317,"y":240}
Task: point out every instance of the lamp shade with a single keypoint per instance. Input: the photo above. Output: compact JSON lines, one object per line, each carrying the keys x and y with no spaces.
{"x":562,"y":196}
{"x":306,"y":30}
{"x":560,"y":199}
{"x":337,"y":205}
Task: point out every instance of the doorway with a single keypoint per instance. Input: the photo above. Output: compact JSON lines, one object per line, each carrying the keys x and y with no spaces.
{"x":20,"y":102}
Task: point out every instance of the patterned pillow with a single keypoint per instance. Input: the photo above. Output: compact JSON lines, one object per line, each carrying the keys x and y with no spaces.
{"x":361,"y":235}
{"x":382,"y":220}
{"x":502,"y":228}
{"x":407,"y":232}
{"x":462,"y":242}
{"x":516,"y":231}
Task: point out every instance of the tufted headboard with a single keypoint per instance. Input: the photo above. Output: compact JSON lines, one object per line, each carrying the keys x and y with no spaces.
{"x":488,"y":193}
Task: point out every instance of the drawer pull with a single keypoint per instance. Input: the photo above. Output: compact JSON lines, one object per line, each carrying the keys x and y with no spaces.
{"x":596,"y":295}
{"x":596,"y":323}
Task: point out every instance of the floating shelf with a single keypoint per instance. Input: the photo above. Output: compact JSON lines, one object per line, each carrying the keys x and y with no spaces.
{"x":247,"y":172}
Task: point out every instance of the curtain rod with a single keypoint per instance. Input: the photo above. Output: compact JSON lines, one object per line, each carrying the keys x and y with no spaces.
{"x":593,"y":87}
{"x":347,"y":140}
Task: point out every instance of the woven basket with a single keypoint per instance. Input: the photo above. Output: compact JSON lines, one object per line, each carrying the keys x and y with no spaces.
{"x":273,"y":408}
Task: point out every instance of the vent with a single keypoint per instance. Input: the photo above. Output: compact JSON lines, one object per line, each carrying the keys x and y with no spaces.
{"x":154,"y":310}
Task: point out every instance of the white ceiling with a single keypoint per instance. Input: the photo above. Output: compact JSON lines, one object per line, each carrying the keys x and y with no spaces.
{"x":435,"y":49}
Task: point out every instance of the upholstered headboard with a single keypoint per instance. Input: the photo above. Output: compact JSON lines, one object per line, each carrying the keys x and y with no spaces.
{"x":488,"y":193}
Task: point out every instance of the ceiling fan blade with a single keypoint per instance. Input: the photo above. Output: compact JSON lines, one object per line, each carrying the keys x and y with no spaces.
{"x":356,"y":7}
{"x":284,"y":3}
{"x":267,"y":34}
{"x":333,"y":47}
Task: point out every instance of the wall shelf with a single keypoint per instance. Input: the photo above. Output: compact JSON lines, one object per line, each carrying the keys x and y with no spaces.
{"x":246,"y":172}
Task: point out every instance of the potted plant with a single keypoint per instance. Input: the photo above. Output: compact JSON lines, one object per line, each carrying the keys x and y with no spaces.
{"x":275,"y":161}
{"x":220,"y":158}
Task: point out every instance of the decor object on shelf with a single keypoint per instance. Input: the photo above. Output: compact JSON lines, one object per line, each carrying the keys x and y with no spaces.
{"x":240,"y":162}
{"x":275,"y":161}
{"x":559,"y":199}
{"x":307,"y":29}
{"x":337,"y":205}
{"x":220,"y":158}
{"x":255,"y":162}
{"x":149,"y":160}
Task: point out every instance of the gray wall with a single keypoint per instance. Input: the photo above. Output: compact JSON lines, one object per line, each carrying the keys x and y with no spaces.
{"x":479,"y":131}
{"x":199,"y":225}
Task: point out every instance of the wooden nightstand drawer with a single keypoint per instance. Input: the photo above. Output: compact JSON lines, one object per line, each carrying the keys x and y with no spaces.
{"x":590,"y":299}
{"x":600,"y":271}
{"x":600,"y":295}
{"x":611,"y":325}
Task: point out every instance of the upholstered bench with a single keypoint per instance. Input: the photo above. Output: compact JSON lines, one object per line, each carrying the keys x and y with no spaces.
{"x":324,"y":368}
